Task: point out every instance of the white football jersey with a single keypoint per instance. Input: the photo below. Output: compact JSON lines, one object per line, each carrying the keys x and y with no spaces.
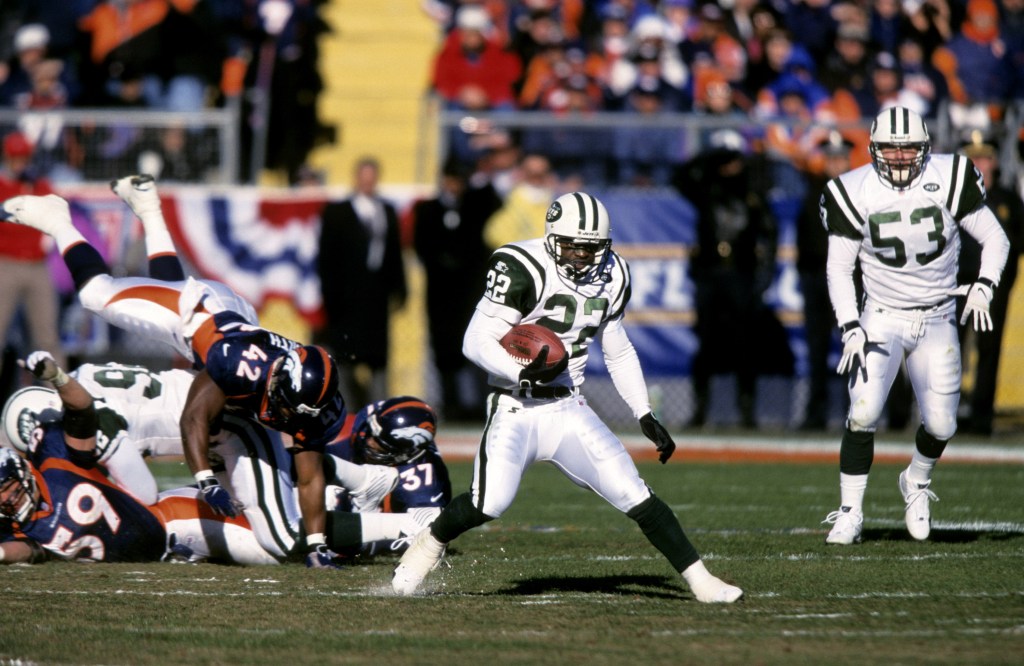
{"x":910,"y":239}
{"x":150,"y":402}
{"x":524,"y":285}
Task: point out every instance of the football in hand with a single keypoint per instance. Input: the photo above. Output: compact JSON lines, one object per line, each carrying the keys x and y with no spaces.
{"x":523,"y":342}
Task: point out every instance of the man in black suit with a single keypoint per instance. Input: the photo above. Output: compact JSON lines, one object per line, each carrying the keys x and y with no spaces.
{"x":362,"y":278}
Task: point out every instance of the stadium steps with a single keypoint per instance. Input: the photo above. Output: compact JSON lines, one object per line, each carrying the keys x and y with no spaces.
{"x":375,"y":63}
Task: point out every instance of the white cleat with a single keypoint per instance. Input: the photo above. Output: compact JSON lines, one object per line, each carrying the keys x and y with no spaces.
{"x":420,"y":559}
{"x":47,"y":214}
{"x":380,"y":480}
{"x":918,"y":498}
{"x":716,"y":591}
{"x":139,"y":192}
{"x":846,"y":526}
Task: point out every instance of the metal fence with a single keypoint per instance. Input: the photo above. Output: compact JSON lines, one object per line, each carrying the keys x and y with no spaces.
{"x":97,"y":145}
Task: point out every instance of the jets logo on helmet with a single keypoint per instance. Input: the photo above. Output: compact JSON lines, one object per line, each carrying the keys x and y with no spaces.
{"x":25,"y":411}
{"x":394,"y":431}
{"x":17,"y":487}
{"x":303,"y":382}
{"x":899,"y":146}
{"x":578,"y":237}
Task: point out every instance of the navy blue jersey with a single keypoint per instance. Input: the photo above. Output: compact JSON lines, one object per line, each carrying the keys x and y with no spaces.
{"x":238,"y":357}
{"x":422,"y":483}
{"x":81,"y":515}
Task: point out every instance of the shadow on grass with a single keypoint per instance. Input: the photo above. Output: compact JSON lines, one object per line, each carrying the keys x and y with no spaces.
{"x":653,"y":587}
{"x":940,"y":535}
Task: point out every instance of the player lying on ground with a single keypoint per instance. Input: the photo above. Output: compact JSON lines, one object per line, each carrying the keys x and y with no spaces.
{"x":900,"y":218}
{"x":137,"y":410}
{"x":571,"y":282}
{"x":397,"y":432}
{"x":286,"y":386}
{"x":252,"y":461}
{"x":58,"y":502}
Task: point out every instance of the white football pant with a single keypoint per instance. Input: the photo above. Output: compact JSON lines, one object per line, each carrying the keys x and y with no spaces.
{"x":928,"y":339}
{"x":565,"y":432}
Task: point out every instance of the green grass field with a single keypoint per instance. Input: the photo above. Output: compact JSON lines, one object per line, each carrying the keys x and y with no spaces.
{"x":563,"y":578}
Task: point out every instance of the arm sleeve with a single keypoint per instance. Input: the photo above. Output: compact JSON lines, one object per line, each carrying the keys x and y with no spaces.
{"x":995,"y":246}
{"x":842,"y":258}
{"x":624,"y":367}
{"x":481,"y":346}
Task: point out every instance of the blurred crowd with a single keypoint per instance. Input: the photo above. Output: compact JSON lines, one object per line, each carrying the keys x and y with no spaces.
{"x":780,"y":63}
{"x":165,"y":55}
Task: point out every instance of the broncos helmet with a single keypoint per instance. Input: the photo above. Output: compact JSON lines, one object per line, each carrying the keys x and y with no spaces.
{"x":394,"y":431}
{"x":899,"y":127}
{"x":25,"y":410}
{"x":17,"y":487}
{"x":303,"y":381}
{"x":573,"y":220}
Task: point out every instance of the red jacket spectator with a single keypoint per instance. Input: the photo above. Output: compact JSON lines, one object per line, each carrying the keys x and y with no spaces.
{"x":472,"y":70}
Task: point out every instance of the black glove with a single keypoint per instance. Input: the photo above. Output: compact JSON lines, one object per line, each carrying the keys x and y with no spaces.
{"x":654,"y":431}
{"x":219,"y":498}
{"x":535,"y":374}
{"x":322,"y":557}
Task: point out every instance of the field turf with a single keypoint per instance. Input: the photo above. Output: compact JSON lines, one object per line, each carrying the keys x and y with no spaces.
{"x":563,"y":578}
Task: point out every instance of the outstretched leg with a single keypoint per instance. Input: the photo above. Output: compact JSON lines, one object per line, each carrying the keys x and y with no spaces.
{"x":139,"y":192}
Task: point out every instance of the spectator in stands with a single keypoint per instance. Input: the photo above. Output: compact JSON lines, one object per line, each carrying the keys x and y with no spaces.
{"x":920,"y":76}
{"x":27,"y":281}
{"x":812,"y":251}
{"x":579,"y":154}
{"x":764,"y":22}
{"x":848,"y":65}
{"x":29,"y":48}
{"x":648,"y":156}
{"x":799,"y":76}
{"x":888,"y":24}
{"x":931,"y":21}
{"x":731,"y":265}
{"x":173,"y":46}
{"x":171,"y":155}
{"x":680,"y":20}
{"x":448,"y":233}
{"x":473,"y":72}
{"x":777,"y":46}
{"x":1011,"y":21}
{"x":534,"y":32}
{"x":976,"y":66}
{"x":363,"y":281}
{"x":649,"y":55}
{"x":522,"y":213}
{"x":712,"y":46}
{"x":813,"y":23}
{"x":1009,"y":210}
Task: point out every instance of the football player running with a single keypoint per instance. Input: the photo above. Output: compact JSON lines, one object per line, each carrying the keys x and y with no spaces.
{"x":572,"y":282}
{"x":243,"y":368}
{"x":900,"y":217}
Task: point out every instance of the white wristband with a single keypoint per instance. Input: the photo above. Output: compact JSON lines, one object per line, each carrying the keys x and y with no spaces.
{"x":316,"y":539}
{"x":202,"y":475}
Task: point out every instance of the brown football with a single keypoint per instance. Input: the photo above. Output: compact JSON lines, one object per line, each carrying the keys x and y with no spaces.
{"x":523,"y":342}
